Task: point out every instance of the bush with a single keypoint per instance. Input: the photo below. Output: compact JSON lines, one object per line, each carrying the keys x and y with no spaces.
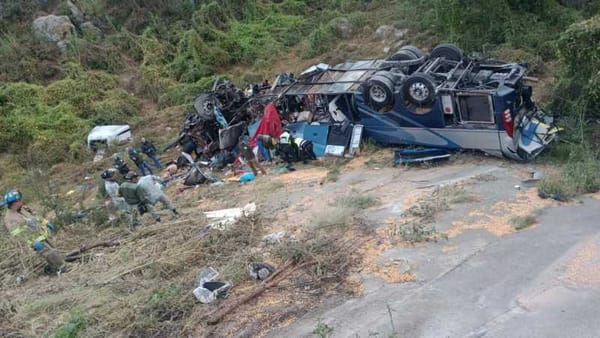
{"x":580,"y":175}
{"x":577,"y":87}
{"x":117,"y":108}
{"x":184,"y":93}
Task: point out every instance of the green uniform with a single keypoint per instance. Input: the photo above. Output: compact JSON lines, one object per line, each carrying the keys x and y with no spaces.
{"x":135,"y":195}
{"x":132,"y":193}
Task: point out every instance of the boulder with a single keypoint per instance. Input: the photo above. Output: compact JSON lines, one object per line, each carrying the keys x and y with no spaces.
{"x":53,"y":28}
{"x":384,"y":32}
{"x":344,"y":27}
{"x":389,"y":33}
{"x":76,"y":14}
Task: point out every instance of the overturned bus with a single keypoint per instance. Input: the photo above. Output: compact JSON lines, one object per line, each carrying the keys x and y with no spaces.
{"x":441,"y":100}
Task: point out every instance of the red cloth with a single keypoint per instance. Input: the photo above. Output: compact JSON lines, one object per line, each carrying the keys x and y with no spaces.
{"x":269,"y":125}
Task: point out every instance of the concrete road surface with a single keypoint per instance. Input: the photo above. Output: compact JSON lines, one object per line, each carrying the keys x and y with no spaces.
{"x":540,"y":282}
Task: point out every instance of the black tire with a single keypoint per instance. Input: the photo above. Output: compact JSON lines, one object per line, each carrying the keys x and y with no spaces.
{"x":403,"y":55}
{"x":448,"y":51}
{"x":419,"y":89}
{"x":416,"y":51}
{"x":204,"y":105}
{"x":379,"y":92}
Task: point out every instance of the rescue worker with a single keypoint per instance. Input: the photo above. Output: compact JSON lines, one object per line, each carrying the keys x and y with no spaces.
{"x":149,"y":149}
{"x":304,"y":150}
{"x":112,"y":190}
{"x":266,"y":143}
{"x":247,"y":154}
{"x":149,"y":185}
{"x":120,"y":164}
{"x":286,"y":149}
{"x":138,"y":160}
{"x":22,"y":225}
{"x":135,"y":197}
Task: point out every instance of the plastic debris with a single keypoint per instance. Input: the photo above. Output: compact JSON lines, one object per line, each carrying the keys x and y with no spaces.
{"x":209,"y":289}
{"x":247,"y":177}
{"x":260,"y":271}
{"x":275,"y":237}
{"x":221,"y":219}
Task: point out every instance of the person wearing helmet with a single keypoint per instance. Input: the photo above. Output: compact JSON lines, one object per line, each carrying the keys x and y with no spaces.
{"x":112,"y":189}
{"x":120,"y":164}
{"x":135,"y":197}
{"x":22,"y":225}
{"x":135,"y":156}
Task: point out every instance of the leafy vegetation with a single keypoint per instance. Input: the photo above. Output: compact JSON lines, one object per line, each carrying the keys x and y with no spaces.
{"x":71,"y":329}
{"x":523,"y":222}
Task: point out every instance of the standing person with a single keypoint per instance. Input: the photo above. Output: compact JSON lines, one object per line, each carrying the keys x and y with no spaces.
{"x":120,"y":164}
{"x":149,"y":185}
{"x":149,"y":149}
{"x":138,"y":160}
{"x":24,"y":226}
{"x":266,"y":143}
{"x":286,"y":149}
{"x":135,"y":197}
{"x":247,"y":154}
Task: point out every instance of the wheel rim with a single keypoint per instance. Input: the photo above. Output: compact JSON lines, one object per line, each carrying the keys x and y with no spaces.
{"x":377,"y":94}
{"x":419,"y":91}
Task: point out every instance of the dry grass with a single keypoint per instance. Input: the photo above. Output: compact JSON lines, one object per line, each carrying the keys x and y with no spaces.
{"x":142,"y":289}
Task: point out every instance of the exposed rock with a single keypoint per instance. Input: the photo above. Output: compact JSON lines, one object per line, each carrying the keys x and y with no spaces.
{"x":55,"y":29}
{"x":88,"y":28}
{"x":344,"y":27}
{"x":76,"y":14}
{"x":389,"y":33}
{"x":384,"y":32}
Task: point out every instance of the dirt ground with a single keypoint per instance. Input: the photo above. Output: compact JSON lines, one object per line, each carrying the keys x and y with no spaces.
{"x":361,"y":208}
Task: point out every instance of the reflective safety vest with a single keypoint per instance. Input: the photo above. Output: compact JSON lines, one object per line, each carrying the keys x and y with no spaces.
{"x":285,"y":138}
{"x":24,"y":225}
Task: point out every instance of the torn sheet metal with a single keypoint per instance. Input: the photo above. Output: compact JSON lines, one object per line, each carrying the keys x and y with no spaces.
{"x":221,"y":219}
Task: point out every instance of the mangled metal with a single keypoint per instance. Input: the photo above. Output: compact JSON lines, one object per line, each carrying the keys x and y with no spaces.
{"x":441,"y":100}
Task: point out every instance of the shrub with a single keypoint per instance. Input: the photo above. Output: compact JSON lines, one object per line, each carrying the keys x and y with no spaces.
{"x":184,"y":93}
{"x":577,"y":88}
{"x":73,"y":328}
{"x":580,"y":175}
{"x":117,"y":108}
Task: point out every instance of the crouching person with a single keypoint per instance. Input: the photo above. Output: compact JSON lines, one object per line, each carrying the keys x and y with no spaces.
{"x":24,"y":226}
{"x":136,"y":198}
{"x":305,"y":150}
{"x":150,"y":187}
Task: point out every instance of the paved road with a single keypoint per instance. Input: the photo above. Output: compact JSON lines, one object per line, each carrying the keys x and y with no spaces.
{"x":541,"y":282}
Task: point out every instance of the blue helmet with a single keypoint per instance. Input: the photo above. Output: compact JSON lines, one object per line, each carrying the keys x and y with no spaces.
{"x":12,"y":196}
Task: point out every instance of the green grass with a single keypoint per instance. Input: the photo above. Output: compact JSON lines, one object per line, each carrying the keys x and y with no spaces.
{"x":523,"y":222}
{"x":72,"y":328}
{"x":356,"y":201}
{"x":580,"y":175}
{"x":323,"y":330}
